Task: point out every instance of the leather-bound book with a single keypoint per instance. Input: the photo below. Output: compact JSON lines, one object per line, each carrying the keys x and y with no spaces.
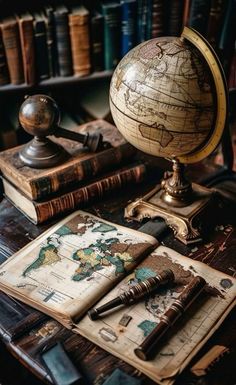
{"x":128,"y":25}
{"x":174,"y":17}
{"x":97,"y":44}
{"x":80,"y":40}
{"x":112,"y":34}
{"x":157,"y":18}
{"x":215,"y":21}
{"x":232,"y":74}
{"x":92,"y":191}
{"x":51,"y":41}
{"x":141,"y":20}
{"x":41,"y":48}
{"x":227,"y":36}
{"x":144,"y":20}
{"x":11,"y":41}
{"x":63,"y":43}
{"x":81,"y":165}
{"x":199,"y":15}
{"x":84,"y":261}
{"x":4,"y":74}
{"x":27,"y":47}
{"x":187,"y":4}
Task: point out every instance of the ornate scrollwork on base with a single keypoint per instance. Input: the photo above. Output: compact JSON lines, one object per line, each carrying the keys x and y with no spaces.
{"x":186,"y":223}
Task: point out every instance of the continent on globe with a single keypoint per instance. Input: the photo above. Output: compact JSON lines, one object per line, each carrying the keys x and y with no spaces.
{"x":159,"y":133}
{"x":162,"y":97}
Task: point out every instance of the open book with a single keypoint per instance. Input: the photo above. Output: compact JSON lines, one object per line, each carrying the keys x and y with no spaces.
{"x":84,"y":259}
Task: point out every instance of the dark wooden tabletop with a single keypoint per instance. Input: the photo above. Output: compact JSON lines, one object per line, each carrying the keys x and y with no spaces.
{"x":27,"y":332}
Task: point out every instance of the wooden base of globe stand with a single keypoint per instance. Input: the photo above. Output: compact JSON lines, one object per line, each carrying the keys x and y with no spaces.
{"x":181,"y":204}
{"x":42,"y":153}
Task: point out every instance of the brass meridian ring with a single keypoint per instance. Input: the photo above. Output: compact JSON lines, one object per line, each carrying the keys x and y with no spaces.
{"x":221,"y":96}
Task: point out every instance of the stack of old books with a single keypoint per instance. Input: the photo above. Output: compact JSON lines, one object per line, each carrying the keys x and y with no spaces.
{"x":84,"y":177}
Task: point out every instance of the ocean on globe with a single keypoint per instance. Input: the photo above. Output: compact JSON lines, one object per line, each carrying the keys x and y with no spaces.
{"x":162,"y":97}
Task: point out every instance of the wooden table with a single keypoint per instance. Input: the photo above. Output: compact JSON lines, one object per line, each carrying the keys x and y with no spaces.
{"x":27,"y":332}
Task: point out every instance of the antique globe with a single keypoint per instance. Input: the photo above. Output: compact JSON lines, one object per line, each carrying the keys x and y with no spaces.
{"x":168,"y":98}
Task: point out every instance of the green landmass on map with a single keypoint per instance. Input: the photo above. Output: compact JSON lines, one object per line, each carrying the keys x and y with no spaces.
{"x":91,"y":260}
{"x":64,"y":230}
{"x":47,"y":256}
{"x":147,"y":327}
{"x":98,"y":255}
{"x":143,"y":273}
{"x":104,"y":228}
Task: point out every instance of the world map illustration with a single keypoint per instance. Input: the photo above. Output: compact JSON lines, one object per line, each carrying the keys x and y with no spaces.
{"x":101,"y":253}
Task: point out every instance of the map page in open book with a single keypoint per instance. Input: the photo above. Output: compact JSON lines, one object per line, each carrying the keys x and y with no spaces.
{"x":186,"y":336}
{"x":73,"y":264}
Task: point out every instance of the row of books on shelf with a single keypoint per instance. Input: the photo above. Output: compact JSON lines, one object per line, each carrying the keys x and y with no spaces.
{"x":63,"y":41}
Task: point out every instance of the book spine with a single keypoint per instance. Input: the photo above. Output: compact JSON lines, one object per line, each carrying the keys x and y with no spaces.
{"x":141,"y":20}
{"x":41,"y":50}
{"x":174,"y":17}
{"x":90,"y":193}
{"x":101,"y":162}
{"x":97,"y":37}
{"x":11,"y":41}
{"x":157,"y":18}
{"x":186,"y":12}
{"x":215,"y":21}
{"x":128,"y":26}
{"x":51,"y":43}
{"x":112,"y":24}
{"x":63,"y":44}
{"x":4,"y":75}
{"x":148,"y":32}
{"x":228,"y":36}
{"x":232,"y":71}
{"x":27,"y":49}
{"x":80,"y":44}
{"x":199,"y":14}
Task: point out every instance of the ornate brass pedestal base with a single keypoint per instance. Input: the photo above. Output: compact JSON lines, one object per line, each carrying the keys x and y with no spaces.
{"x":185,"y":221}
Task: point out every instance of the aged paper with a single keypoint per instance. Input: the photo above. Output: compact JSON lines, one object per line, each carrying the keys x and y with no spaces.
{"x":68,"y":268}
{"x":186,"y":336}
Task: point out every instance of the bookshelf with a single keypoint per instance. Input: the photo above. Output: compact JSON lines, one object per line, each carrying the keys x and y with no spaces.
{"x":55,"y":82}
{"x":123,"y":27}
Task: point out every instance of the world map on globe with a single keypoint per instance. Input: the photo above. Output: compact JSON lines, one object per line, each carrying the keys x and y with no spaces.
{"x":163,"y":97}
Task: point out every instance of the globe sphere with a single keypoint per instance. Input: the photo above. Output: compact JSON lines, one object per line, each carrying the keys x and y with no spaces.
{"x":39,"y":114}
{"x":162,"y":97}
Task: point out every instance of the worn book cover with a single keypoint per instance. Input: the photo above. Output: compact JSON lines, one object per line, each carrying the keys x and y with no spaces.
{"x":85,"y":259}
{"x":12,"y":46}
{"x":79,"y":166}
{"x":78,"y":197}
{"x":4,"y":73}
{"x":111,"y":12}
{"x":80,"y":40}
{"x":41,"y":47}
{"x":63,"y":43}
{"x":26,"y":29}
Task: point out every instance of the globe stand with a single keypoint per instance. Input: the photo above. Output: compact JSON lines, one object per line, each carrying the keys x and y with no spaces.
{"x":181,"y":204}
{"x":178,"y":190}
{"x":42,"y":153}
